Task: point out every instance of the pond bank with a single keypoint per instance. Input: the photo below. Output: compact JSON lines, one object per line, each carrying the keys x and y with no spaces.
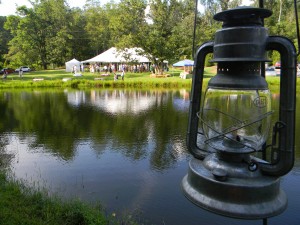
{"x":23,"y":205}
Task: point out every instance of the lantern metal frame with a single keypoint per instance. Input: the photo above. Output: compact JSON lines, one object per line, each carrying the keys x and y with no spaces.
{"x":222,"y":182}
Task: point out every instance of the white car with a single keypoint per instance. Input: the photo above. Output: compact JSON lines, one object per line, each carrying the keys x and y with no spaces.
{"x":270,"y":71}
{"x":24,"y":69}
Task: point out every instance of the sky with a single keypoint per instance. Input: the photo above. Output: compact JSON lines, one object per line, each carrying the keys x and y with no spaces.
{"x":8,"y":7}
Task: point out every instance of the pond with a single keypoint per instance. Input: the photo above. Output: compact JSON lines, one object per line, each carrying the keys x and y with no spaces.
{"x":123,"y":148}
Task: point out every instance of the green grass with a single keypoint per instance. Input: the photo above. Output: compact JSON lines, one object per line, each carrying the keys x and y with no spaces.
{"x":54,"y":78}
{"x":21,"y":205}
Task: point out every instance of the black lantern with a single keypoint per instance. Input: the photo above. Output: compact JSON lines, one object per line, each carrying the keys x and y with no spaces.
{"x":229,"y":126}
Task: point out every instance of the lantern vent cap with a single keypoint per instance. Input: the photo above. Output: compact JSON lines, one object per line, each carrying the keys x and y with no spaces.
{"x":243,"y":15}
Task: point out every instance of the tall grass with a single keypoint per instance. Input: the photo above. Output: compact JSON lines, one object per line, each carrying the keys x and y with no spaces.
{"x":22,"y":205}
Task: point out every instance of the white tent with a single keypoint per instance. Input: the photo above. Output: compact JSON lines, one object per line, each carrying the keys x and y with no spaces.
{"x":112,"y":55}
{"x":71,"y":63}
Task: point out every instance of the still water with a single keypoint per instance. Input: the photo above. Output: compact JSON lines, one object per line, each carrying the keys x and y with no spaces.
{"x":123,"y":148}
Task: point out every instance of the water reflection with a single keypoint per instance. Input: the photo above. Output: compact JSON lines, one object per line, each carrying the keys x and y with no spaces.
{"x":115,"y":101}
{"x":123,"y":148}
{"x":129,"y":122}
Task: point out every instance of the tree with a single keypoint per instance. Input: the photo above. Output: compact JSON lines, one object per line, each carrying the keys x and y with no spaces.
{"x":211,"y":8}
{"x":126,"y":20}
{"x":40,"y":33}
{"x":161,"y":36}
{"x":20,"y":51}
{"x":282,"y":22}
{"x":78,"y":40}
{"x":50,"y":32}
{"x":97,"y":28}
{"x":5,"y":36}
{"x":30,"y":35}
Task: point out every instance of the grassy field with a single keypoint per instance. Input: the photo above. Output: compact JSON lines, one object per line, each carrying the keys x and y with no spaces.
{"x":60,"y":78}
{"x":63,"y":79}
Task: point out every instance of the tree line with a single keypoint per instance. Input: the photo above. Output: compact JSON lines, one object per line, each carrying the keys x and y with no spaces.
{"x":50,"y":32}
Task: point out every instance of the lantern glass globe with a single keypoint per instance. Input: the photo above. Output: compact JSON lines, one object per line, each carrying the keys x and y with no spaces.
{"x":236,"y":120}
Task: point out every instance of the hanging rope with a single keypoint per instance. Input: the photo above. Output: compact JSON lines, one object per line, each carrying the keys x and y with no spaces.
{"x":297,"y":25}
{"x":195,"y":23}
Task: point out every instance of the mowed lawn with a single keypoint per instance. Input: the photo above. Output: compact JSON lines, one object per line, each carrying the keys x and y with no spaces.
{"x":61,"y":78}
{"x":60,"y":74}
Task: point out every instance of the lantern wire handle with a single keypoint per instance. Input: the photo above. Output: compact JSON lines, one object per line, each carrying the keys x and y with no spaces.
{"x":234,"y":127}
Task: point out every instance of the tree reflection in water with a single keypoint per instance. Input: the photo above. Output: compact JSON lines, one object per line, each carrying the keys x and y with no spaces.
{"x":136,"y":124}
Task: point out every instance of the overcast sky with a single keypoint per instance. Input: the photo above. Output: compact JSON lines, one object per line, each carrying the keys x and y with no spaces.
{"x":8,"y":7}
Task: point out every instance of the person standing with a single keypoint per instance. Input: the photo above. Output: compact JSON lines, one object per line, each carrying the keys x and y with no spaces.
{"x":75,"y":69}
{"x":5,"y":72}
{"x":123,"y":74}
{"x":21,"y":72}
{"x":115,"y":76}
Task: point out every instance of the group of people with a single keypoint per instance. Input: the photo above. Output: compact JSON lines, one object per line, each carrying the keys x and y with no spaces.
{"x":113,"y":67}
{"x":96,"y":68}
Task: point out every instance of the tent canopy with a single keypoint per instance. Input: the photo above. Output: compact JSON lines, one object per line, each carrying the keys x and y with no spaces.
{"x":71,"y":63}
{"x":112,"y":55}
{"x":185,"y":62}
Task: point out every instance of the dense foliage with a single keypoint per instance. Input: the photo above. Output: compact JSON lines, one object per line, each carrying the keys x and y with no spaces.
{"x":50,"y":33}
